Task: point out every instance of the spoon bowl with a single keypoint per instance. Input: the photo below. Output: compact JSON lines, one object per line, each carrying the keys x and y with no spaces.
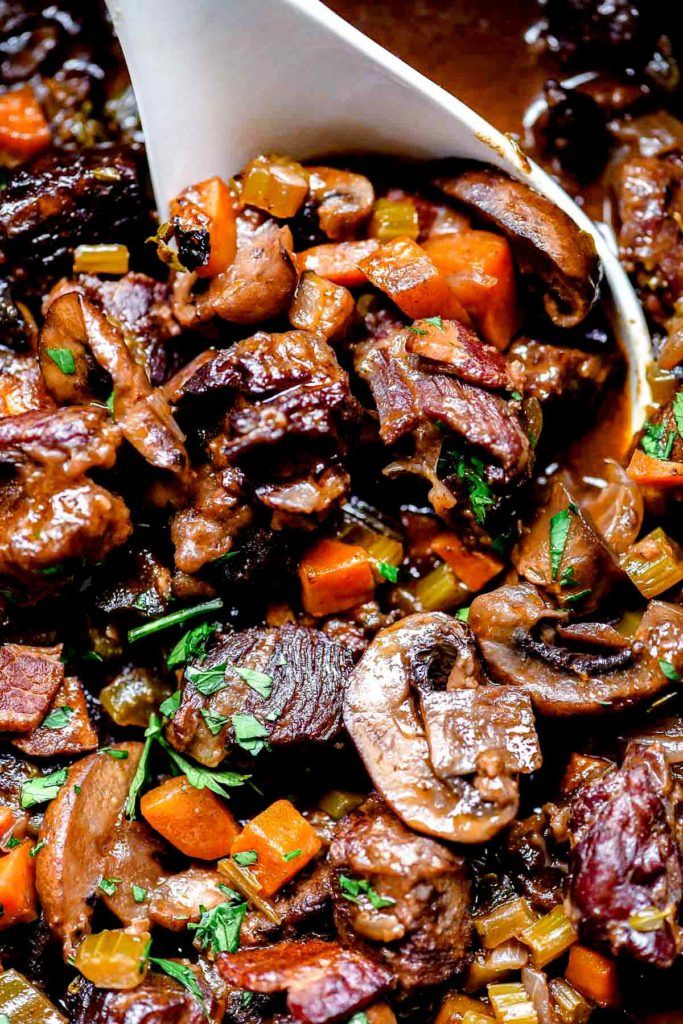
{"x":218,"y":81}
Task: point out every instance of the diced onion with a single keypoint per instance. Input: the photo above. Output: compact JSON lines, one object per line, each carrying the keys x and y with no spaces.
{"x":550,"y":937}
{"x":101,"y":259}
{"x":505,"y":922}
{"x":511,"y":1004}
{"x":492,"y":965}
{"x":114,"y":959}
{"x":476,"y":1018}
{"x":651,"y":919}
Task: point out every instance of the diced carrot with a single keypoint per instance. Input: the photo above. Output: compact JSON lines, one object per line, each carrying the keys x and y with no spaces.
{"x":23,"y":128}
{"x":321,"y":306}
{"x":403,"y":270}
{"x":593,"y":975}
{"x":193,"y":820}
{"x":7,"y":819}
{"x":277,"y":186}
{"x":474,"y":568}
{"x":646,"y":469}
{"x":283,"y":841}
{"x":480,"y":269}
{"x":209,"y":206}
{"x":338,"y":262}
{"x":17,"y":886}
{"x":335,"y":576}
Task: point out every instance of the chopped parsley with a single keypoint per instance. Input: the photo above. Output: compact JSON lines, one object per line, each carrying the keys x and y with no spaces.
{"x":359,"y":1018}
{"x":678,"y":412}
{"x":109,"y":885}
{"x":258,"y":681}
{"x":203,"y":778}
{"x":214,"y":722}
{"x":246,"y":858}
{"x":152,"y":732}
{"x":435,"y":321}
{"x":168,"y":707}
{"x":516,"y":396}
{"x":64,"y":359}
{"x":42,"y":789}
{"x":250,"y":734}
{"x":463,"y":614}
{"x":567,"y":577}
{"x":417,"y":330}
{"x":219,"y":929}
{"x":184,"y":975}
{"x":559,"y":529}
{"x":139,"y":894}
{"x":355,"y":888}
{"x":208,"y":680}
{"x":117,"y":755}
{"x":12,"y":842}
{"x":470,"y":471}
{"x":110,"y":401}
{"x":572,"y":599}
{"x":174,"y":619}
{"x":292,"y":855}
{"x":389,"y":571}
{"x":669,"y":671}
{"x":657,"y":441}
{"x":192,"y":645}
{"x":59,"y":718}
{"x":222,"y":559}
{"x":35,"y":850}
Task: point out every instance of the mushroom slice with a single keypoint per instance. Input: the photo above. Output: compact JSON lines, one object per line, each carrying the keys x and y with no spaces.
{"x":513,"y":627}
{"x":76,"y":831}
{"x":344,"y":200}
{"x":442,"y":751}
{"x":545,"y":239}
{"x":73,"y":324}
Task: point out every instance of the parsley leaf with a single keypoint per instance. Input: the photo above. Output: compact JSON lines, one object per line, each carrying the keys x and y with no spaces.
{"x":435,"y":321}
{"x":559,"y":529}
{"x":117,"y":755}
{"x":214,"y":722}
{"x":678,"y":412}
{"x":42,"y":789}
{"x":567,"y":577}
{"x":168,"y":707}
{"x":354,"y":888}
{"x":572,"y":599}
{"x":12,"y":842}
{"x":139,"y":894}
{"x":166,"y":621}
{"x":109,"y":885}
{"x":203,"y":778}
{"x":463,"y":614}
{"x":219,"y":929}
{"x":152,"y":731}
{"x":246,"y":858}
{"x":417,"y":330}
{"x":192,"y":645}
{"x":208,"y":680}
{"x":657,"y":441}
{"x":669,"y":671}
{"x":291,"y":855}
{"x":258,"y":681}
{"x":390,"y":572}
{"x":359,"y":1018}
{"x":63,"y":358}
{"x":222,"y":559}
{"x":183,"y":975}
{"x":470,"y":471}
{"x":250,"y":734}
{"x":59,"y":718}
{"x":35,"y":850}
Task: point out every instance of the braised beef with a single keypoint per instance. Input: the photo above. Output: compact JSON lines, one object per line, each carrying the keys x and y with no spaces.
{"x":422,"y":931}
{"x":157,"y":1000}
{"x":22,"y":388}
{"x":626,"y":858}
{"x":30,"y":677}
{"x":305,"y":904}
{"x":303,"y":672}
{"x":556,"y":375}
{"x":76,"y":735}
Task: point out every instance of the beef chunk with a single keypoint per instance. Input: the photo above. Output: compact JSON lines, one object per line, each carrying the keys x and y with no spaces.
{"x":303,"y":672}
{"x":22,"y":388}
{"x":157,"y":1000}
{"x":29,"y":680}
{"x":303,"y":904}
{"x":324,"y":981}
{"x":626,"y":858}
{"x":74,"y":736}
{"x":62,"y":199}
{"x":423,"y":933}
{"x":554,"y":374}
{"x":205,"y":529}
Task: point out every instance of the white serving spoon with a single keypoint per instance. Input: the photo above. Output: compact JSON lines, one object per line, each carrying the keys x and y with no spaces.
{"x":218,"y":81}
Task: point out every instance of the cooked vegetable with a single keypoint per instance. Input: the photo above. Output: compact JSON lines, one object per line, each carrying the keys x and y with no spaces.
{"x":23,"y":128}
{"x":114,"y":959}
{"x":205,"y":213}
{"x":440,"y":590}
{"x":321,"y":306}
{"x":455,"y":1007}
{"x":23,"y":1003}
{"x":174,"y":619}
{"x":550,"y":937}
{"x":594,"y":975}
{"x":275,"y":834}
{"x":474,"y":568}
{"x":339,"y":802}
{"x":507,"y":921}
{"x":194,"y":820}
{"x":335,"y":576}
{"x":17,"y":886}
{"x":481,"y":271}
{"x":654,"y":563}
{"x":101,"y":259}
{"x":392,"y":218}
{"x":569,"y":1005}
{"x":511,"y":1004}
{"x":404,"y":271}
{"x":338,"y":262}
{"x":275,"y":185}
{"x":649,"y":470}
{"x":218,"y":930}
{"x":132,"y":696}
{"x":491,"y":966}
{"x":245,"y":882}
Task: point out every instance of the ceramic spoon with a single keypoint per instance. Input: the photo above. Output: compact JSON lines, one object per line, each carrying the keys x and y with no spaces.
{"x":218,"y":81}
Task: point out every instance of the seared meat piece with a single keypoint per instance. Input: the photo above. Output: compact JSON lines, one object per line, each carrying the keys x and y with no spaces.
{"x":324,"y":981}
{"x":257,"y":286}
{"x":423,"y":931}
{"x":74,"y":440}
{"x":455,"y":348}
{"x":305,"y":902}
{"x":626,"y":858}
{"x":554,"y":374}
{"x":306,"y":488}
{"x":30,"y":677}
{"x":157,"y":1000}
{"x":75,"y":736}
{"x":546,"y":241}
{"x":141,"y":308}
{"x":77,"y":829}
{"x":205,"y":530}
{"x":138,"y":583}
{"x":22,"y":388}
{"x":135,"y":856}
{"x":650,"y":203}
{"x":533,"y":863}
{"x":513,"y":626}
{"x":585,"y":563}
{"x":62,"y":199}
{"x":407,"y":701}
{"x":407,"y":395}
{"x":306,"y":676}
